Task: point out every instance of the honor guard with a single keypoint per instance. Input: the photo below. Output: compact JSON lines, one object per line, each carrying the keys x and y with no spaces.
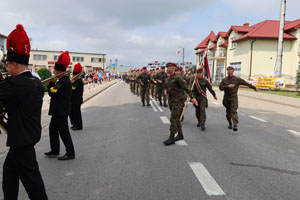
{"x":144,"y":79}
{"x":60,"y":107}
{"x":160,"y":78}
{"x":199,"y":91}
{"x":230,"y":86}
{"x":174,"y":88}
{"x":22,"y":95}
{"x":77,"y":98}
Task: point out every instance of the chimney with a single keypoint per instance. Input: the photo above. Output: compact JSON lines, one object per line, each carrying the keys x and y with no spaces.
{"x":246,"y":24}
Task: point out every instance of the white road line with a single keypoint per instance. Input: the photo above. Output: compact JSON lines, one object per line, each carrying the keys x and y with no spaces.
{"x":294,"y":132}
{"x":165,"y":120}
{"x":181,"y":143}
{"x":208,"y":183}
{"x":215,"y":103}
{"x":153,"y":106}
{"x":157,"y":106}
{"x":262,"y":120}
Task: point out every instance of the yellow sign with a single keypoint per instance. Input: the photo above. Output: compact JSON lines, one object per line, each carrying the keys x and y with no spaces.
{"x":114,"y":68}
{"x":268,"y":82}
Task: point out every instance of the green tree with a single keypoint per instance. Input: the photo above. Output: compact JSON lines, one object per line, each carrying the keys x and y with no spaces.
{"x":298,"y":79}
{"x":44,"y":73}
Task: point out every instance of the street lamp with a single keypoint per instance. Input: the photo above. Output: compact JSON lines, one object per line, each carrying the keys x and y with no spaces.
{"x":183,"y":65}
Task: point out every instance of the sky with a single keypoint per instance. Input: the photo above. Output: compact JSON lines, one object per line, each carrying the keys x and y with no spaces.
{"x":136,"y":32}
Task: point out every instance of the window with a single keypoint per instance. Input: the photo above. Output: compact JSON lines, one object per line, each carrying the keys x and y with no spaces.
{"x":96,"y":60}
{"x":233,"y":45}
{"x":77,"y":59}
{"x":2,"y":48}
{"x":39,"y":57}
{"x":55,"y":58}
{"x":237,"y":68}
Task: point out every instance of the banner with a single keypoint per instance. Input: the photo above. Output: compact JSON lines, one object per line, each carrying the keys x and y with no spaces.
{"x":268,"y":82}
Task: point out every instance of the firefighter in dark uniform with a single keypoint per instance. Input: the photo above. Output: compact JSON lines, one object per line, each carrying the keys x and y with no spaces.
{"x":22,"y":95}
{"x":60,"y":107}
{"x":175,"y":86}
{"x":77,"y":99}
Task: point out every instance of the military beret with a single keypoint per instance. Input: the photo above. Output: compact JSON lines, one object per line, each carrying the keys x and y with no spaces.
{"x":144,"y":68}
{"x":163,"y":67}
{"x":200,"y":70}
{"x":157,"y":68}
{"x":171,"y":65}
{"x":230,"y":67}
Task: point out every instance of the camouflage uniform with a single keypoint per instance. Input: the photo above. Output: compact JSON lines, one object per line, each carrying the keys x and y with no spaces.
{"x":230,"y":100}
{"x":199,"y":92}
{"x":152,"y":84}
{"x":160,"y":76}
{"x":145,"y":78}
{"x":131,"y":81}
{"x":137,"y":84}
{"x":175,"y":87}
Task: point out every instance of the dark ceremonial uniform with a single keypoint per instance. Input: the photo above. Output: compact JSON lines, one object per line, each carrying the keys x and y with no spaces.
{"x":23,"y":99}
{"x":60,"y":107}
{"x":75,"y":114}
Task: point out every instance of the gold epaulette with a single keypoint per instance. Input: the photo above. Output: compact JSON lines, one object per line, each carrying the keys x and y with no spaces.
{"x":53,"y":90}
{"x":73,"y":88}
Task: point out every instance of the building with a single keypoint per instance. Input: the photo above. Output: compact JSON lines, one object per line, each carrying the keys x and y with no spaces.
{"x":89,"y":61}
{"x":3,"y":39}
{"x":252,"y":50}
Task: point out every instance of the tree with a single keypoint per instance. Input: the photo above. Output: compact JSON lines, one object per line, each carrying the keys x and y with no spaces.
{"x":298,"y":80}
{"x":44,"y":73}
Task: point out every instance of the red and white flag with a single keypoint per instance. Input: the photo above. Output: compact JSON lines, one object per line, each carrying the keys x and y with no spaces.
{"x":178,"y":52}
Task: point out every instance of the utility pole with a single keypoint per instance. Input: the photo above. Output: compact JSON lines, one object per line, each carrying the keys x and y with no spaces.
{"x":278,"y":65}
{"x":183,"y":65}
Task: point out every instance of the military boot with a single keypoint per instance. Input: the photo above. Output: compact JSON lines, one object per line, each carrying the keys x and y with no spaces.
{"x":171,"y":140}
{"x":203,"y":127}
{"x":165,"y":104}
{"x":229,"y":124}
{"x":148,"y":104}
{"x":160,"y":103}
{"x":235,"y":128}
{"x":179,"y":136}
{"x":143,"y":103}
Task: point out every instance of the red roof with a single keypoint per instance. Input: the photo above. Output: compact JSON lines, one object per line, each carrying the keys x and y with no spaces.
{"x":211,"y":37}
{"x":239,"y":29}
{"x":268,"y":29}
{"x":201,"y":51}
{"x":214,"y":47}
{"x":222,"y":34}
{"x":291,"y":26}
{"x":225,"y":44}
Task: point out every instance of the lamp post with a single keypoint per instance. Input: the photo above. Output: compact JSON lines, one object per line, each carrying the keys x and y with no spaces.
{"x":183,"y":65}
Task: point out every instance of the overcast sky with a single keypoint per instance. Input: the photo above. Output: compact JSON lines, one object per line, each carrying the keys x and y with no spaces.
{"x":135,"y":32}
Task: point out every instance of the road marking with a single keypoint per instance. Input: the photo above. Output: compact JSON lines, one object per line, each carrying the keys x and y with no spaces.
{"x":294,"y":132}
{"x":262,"y":120}
{"x":181,"y":143}
{"x":153,"y":106}
{"x":208,"y":183}
{"x":215,"y":103}
{"x":165,"y":120}
{"x":157,"y":106}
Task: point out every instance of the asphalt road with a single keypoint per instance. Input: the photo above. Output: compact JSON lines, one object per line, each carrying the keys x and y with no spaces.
{"x":120,"y":155}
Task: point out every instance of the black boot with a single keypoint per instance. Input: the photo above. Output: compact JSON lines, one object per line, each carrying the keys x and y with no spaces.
{"x":179,"y":136}
{"x":198,"y":125}
{"x":203,"y":128}
{"x":235,"y":128}
{"x":229,"y":124}
{"x":160,"y":103}
{"x":143,"y":103}
{"x":165,"y":104}
{"x":148,"y":104}
{"x":171,"y":140}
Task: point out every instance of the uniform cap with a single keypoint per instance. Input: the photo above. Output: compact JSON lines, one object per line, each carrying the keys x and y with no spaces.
{"x":63,"y":61}
{"x":77,"y":68}
{"x":162,"y":67}
{"x":171,"y":65}
{"x":157,"y":68}
{"x":18,"y":46}
{"x":144,"y":68}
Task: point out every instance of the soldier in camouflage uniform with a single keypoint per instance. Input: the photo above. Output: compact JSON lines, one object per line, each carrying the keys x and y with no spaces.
{"x":144,"y":79}
{"x":160,"y":78}
{"x":137,"y":84}
{"x":152,"y":74}
{"x":183,"y":96}
{"x":174,"y":87}
{"x":189,"y":78}
{"x":155,"y":86}
{"x":199,"y":91}
{"x":131,"y":81}
{"x":230,"y":86}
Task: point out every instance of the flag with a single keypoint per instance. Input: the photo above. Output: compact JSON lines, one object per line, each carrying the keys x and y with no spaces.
{"x":207,"y":69}
{"x":178,"y":52}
